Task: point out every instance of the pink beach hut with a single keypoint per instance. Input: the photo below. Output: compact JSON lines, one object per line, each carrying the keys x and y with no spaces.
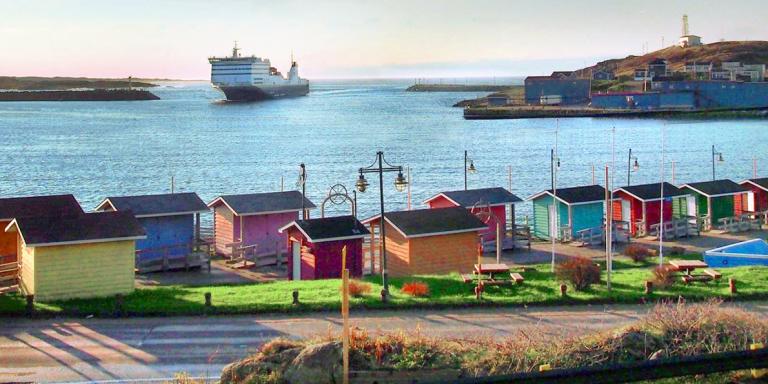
{"x":253,"y":221}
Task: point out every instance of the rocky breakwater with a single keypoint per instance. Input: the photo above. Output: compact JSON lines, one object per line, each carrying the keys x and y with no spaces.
{"x":79,"y":95}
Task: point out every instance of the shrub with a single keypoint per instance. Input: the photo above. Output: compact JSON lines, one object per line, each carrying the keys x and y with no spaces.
{"x":358,"y":288}
{"x":663,"y":275}
{"x":677,"y":251}
{"x":637,"y":252}
{"x":415,"y":289}
{"x":579,"y":271}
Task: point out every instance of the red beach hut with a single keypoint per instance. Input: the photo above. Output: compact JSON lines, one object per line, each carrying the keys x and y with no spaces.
{"x":315,"y":247}
{"x":640,"y":205}
{"x":494,"y":199}
{"x":758,"y":199}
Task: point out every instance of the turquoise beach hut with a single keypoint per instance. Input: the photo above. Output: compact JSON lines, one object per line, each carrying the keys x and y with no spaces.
{"x":578,"y":208}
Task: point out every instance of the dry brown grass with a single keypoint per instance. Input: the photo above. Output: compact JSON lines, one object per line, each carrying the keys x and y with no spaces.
{"x":669,"y":329}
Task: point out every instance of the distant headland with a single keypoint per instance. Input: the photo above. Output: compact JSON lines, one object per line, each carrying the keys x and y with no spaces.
{"x":73,"y":89}
{"x":688,"y":78}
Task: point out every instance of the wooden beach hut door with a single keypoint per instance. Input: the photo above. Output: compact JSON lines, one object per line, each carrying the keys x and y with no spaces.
{"x":552,"y":222}
{"x":296,"y":255}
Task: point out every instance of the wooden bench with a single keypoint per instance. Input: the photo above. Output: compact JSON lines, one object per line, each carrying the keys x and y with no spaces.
{"x":713,"y":274}
{"x":687,"y":279}
{"x":516,"y":277}
{"x":467,"y":278}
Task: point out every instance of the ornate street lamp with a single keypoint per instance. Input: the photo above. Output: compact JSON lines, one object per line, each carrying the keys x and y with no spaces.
{"x":379,"y":167}
{"x":468,"y":168}
{"x":630,"y":166}
{"x":719,"y":157}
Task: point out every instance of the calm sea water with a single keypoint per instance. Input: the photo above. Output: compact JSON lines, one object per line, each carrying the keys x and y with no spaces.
{"x":98,"y":149}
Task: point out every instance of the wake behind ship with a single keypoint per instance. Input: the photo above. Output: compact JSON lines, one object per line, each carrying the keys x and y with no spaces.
{"x":253,"y":78}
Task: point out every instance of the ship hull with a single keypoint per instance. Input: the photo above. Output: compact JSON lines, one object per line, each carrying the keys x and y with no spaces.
{"x":254,"y":93}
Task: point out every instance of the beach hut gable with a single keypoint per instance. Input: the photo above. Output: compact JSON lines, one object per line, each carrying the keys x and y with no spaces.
{"x":155,"y":205}
{"x":468,"y":198}
{"x":329,"y":229}
{"x":716,"y":188}
{"x":432,"y":222}
{"x":651,"y":192}
{"x":87,"y":228}
{"x":575,"y":195}
{"x":263,"y":203}
{"x":33,"y":206}
{"x":761,"y":183}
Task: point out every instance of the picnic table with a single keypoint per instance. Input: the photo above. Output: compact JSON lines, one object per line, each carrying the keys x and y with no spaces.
{"x":688,"y":265}
{"x":490,"y":269}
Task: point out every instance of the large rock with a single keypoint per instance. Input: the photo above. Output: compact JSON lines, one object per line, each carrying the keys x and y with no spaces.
{"x":319,"y":363}
{"x":261,"y":365}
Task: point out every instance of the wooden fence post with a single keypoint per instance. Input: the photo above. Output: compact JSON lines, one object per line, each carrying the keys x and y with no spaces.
{"x":208,"y":299}
{"x":563,"y":290}
{"x":648,"y":287}
{"x":30,"y":305}
{"x":732,"y":285}
{"x":119,"y":303}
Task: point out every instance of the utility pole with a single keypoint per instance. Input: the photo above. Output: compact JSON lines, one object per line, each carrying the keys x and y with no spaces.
{"x":608,"y":229}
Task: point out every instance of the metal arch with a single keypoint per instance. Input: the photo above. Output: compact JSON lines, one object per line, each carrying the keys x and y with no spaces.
{"x":482,"y":211}
{"x":338,"y":195}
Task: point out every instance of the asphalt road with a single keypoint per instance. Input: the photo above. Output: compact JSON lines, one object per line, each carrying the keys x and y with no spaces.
{"x":154,"y":349}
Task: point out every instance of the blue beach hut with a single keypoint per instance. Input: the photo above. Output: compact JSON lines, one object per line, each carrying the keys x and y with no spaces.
{"x":172,"y":224}
{"x":578,"y":208}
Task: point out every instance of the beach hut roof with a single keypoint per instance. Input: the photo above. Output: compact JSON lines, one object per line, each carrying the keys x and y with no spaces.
{"x":329,"y":228}
{"x":263,"y":203}
{"x":576,"y":195}
{"x":761,"y":183}
{"x":431,"y":222}
{"x":716,"y":188}
{"x":650,"y":192}
{"x":470,"y":197}
{"x":156,"y":205}
{"x":86,"y":228}
{"x":32,"y":206}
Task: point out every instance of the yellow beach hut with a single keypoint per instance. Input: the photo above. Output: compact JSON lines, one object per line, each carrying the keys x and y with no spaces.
{"x":64,"y":257}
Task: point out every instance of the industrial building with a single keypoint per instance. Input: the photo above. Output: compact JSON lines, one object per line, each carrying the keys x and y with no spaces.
{"x":554,"y":90}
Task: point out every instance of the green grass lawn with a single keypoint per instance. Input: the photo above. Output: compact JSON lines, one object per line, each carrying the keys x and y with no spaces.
{"x":540,"y":288}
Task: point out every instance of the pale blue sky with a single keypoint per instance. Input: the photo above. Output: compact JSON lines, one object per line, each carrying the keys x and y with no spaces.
{"x":352,"y":39}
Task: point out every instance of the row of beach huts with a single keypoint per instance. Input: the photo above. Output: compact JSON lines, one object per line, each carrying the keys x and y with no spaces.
{"x":52,"y":249}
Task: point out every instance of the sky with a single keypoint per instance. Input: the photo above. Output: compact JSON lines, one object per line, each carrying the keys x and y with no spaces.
{"x":352,"y":39}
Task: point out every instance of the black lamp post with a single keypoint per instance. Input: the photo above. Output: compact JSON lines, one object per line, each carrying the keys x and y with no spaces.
{"x":468,"y":168}
{"x":719,"y":156}
{"x":631,"y":167}
{"x":379,"y":167}
{"x":303,"y":182}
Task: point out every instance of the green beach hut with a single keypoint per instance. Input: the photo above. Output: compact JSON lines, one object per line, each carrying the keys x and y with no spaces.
{"x":577,"y":208}
{"x":715,"y":199}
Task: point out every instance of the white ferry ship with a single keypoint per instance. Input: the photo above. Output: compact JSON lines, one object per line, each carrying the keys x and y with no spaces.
{"x":252,"y":78}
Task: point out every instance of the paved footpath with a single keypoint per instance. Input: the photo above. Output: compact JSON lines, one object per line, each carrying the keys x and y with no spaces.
{"x":153,"y":349}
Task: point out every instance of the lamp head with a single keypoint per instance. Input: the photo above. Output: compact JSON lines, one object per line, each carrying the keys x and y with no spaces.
{"x":471,"y":168}
{"x":636,"y":166}
{"x":361,"y":183}
{"x":720,"y":157}
{"x":400,"y":182}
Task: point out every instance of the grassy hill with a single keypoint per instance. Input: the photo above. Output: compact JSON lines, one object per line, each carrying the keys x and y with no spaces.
{"x":65,"y":83}
{"x":749,"y":52}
